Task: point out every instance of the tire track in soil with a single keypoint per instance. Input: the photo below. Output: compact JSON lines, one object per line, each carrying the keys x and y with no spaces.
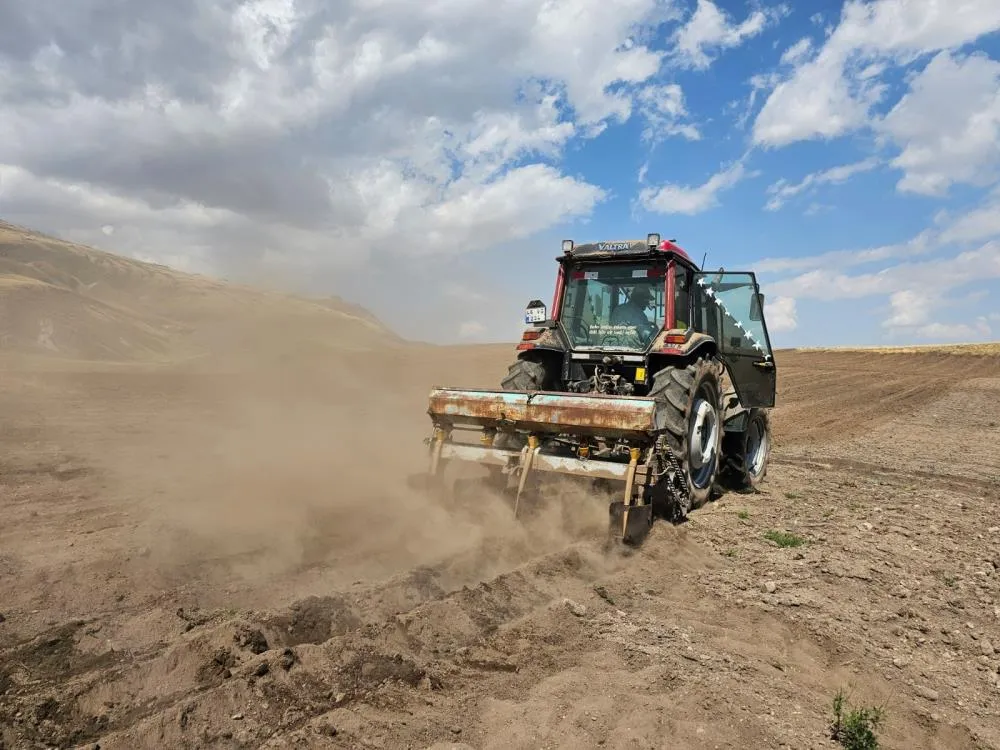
{"x":415,"y":659}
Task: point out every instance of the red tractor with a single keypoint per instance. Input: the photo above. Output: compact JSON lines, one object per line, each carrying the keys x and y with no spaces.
{"x":646,"y":370}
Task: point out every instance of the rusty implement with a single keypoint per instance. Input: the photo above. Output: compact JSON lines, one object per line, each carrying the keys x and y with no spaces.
{"x":527,"y":434}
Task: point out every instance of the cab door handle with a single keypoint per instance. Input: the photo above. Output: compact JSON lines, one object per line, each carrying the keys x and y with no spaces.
{"x":764,"y":364}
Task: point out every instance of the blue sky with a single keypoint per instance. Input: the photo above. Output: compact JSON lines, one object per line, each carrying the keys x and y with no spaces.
{"x":426,"y":159}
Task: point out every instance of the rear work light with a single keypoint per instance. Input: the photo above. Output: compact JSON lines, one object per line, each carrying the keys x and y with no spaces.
{"x":653,"y":239}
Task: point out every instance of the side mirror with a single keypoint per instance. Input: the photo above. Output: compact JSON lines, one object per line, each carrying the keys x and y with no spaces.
{"x":757,"y":306}
{"x":535,"y":312}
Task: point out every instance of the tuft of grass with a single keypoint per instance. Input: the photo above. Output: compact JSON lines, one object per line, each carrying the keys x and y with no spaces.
{"x":784,"y":538}
{"x":855,"y":728}
{"x":730,"y":553}
{"x":743,"y":515}
{"x":792,"y":496}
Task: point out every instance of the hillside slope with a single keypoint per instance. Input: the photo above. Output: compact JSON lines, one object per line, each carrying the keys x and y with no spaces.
{"x":59,"y":298}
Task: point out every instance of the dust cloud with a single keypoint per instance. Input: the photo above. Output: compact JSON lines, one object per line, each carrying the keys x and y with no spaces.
{"x":256,"y":470}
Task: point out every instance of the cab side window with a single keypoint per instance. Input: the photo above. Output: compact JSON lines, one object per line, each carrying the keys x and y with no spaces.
{"x":682,"y":297}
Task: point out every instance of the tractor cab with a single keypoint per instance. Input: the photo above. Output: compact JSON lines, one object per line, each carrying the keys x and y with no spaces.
{"x":624,"y":309}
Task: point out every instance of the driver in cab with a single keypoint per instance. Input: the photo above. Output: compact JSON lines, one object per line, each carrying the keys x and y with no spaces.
{"x":633,"y":312}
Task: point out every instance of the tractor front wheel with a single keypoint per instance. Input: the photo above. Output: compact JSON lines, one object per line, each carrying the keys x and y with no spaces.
{"x":747,"y":452}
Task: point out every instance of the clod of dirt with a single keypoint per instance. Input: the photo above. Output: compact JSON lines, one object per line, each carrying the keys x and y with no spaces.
{"x":217,"y":668}
{"x":577,"y":609}
{"x":316,"y":620}
{"x":252,"y":639}
{"x":288,"y":659}
{"x":367,"y":671}
{"x":262,"y":669}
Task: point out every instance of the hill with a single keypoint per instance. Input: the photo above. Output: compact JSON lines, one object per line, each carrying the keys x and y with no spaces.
{"x":63,"y":299}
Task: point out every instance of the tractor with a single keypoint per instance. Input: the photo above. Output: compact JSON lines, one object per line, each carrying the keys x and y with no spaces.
{"x":645,"y":373}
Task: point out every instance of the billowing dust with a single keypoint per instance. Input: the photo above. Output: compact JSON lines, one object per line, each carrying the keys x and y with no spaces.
{"x":223,"y":552}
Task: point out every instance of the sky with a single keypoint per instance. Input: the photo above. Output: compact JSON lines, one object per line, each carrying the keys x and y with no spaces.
{"x":425,"y":159}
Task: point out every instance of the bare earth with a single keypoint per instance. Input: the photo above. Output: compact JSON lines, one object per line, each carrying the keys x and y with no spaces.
{"x":212,"y":545}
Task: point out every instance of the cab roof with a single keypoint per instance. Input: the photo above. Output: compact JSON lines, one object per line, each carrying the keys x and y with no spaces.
{"x":627,"y":249}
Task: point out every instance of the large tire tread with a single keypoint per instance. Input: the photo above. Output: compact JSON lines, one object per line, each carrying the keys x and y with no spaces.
{"x":674,"y":389}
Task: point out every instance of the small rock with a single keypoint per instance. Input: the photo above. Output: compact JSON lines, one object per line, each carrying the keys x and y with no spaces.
{"x":424,"y":684}
{"x":262,"y":669}
{"x":986,"y":648}
{"x":456,"y":730}
{"x":288,"y":659}
{"x":577,"y":609}
{"x":143,"y":552}
{"x":2,"y":618}
{"x":236,"y":717}
{"x":769,"y":587}
{"x":901,"y":661}
{"x":926,"y":692}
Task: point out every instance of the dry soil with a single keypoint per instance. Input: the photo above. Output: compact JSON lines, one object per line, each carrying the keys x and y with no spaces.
{"x":212,"y":545}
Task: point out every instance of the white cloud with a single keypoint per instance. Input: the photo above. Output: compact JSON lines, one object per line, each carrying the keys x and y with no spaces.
{"x":782,"y":190}
{"x":797,"y":52}
{"x":680,"y":199}
{"x":665,"y":113}
{"x":954,"y":331}
{"x":922,"y":244}
{"x":780,"y":313}
{"x":832,"y":93}
{"x":916,"y":290}
{"x":313,"y":134}
{"x":711,"y":29}
{"x":948,"y":125}
{"x":980,"y":223}
{"x":909,"y":308}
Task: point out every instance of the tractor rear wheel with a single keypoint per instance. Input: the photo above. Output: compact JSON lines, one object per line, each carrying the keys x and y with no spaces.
{"x":747,"y":452}
{"x":527,"y":373}
{"x":689,"y":405}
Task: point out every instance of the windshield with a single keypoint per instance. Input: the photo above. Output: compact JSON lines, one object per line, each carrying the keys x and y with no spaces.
{"x":614,"y":306}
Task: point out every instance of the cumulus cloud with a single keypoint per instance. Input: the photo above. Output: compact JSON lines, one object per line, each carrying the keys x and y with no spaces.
{"x":670,"y":198}
{"x":665,"y":113}
{"x":781,"y":314}
{"x":909,"y":308}
{"x":712,"y":30}
{"x":948,"y":125}
{"x":831,"y":93}
{"x":306,"y":133}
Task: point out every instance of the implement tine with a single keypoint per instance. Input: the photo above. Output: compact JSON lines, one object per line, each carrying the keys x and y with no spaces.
{"x":528,"y":454}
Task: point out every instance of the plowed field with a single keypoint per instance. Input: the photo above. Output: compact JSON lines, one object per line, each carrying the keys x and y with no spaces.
{"x":200,"y":555}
